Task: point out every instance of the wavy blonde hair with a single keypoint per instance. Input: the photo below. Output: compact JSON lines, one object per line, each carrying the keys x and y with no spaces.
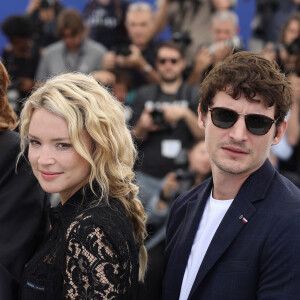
{"x":85,"y":105}
{"x":8,"y":118}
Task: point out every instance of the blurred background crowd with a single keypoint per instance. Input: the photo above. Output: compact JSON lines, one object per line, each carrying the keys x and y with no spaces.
{"x":153,"y":57}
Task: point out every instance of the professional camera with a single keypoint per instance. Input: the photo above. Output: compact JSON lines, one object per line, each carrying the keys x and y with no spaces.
{"x":236,"y":43}
{"x":293,"y":48}
{"x":183,"y":39}
{"x":47,"y":3}
{"x":158,"y":116}
{"x":186,"y":179}
{"x":122,"y":49}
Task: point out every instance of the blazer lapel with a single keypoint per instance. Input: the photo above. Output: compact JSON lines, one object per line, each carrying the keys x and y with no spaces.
{"x":182,"y":249}
{"x":236,"y":218}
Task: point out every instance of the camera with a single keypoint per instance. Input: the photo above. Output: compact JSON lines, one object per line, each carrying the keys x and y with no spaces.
{"x":186,"y":179}
{"x":47,"y":3}
{"x":122,"y":49}
{"x":183,"y":39}
{"x":236,"y":43}
{"x":182,"y":174}
{"x":158,"y":116}
{"x":293,"y":48}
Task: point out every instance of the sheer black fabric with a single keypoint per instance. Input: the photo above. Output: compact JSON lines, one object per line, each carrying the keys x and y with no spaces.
{"x":90,"y":254}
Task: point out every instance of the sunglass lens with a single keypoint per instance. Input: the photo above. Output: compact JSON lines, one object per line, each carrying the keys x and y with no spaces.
{"x":258,"y":125}
{"x":224,"y":118}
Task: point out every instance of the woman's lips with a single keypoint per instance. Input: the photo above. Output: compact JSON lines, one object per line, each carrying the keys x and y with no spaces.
{"x":50,"y":175}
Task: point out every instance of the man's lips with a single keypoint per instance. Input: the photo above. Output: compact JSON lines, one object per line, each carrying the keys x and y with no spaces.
{"x":234,"y":151}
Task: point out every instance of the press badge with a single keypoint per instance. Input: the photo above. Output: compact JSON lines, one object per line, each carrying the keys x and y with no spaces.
{"x":170,"y":148}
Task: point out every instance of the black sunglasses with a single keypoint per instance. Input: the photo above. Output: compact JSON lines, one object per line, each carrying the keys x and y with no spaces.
{"x":164,"y":60}
{"x":225,"y":118}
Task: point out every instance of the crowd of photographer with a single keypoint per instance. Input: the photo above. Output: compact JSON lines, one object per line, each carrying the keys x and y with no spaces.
{"x":117,"y":41}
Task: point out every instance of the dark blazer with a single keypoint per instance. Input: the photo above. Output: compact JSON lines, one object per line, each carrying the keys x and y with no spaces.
{"x":23,"y":206}
{"x":254,"y":258}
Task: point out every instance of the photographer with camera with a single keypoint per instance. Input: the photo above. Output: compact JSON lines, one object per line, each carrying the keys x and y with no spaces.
{"x":287,"y":51}
{"x":189,"y":20}
{"x":136,"y":55}
{"x":269,"y":17}
{"x":224,"y":30}
{"x":164,"y":120}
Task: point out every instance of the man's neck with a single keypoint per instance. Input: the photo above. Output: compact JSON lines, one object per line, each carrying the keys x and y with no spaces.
{"x":171,"y":87}
{"x":227,"y":186}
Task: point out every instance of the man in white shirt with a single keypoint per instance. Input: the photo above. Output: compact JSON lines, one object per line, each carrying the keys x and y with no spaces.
{"x":237,"y":235}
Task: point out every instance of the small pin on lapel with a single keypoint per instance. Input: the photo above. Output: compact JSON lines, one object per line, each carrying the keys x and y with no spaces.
{"x":241,"y":217}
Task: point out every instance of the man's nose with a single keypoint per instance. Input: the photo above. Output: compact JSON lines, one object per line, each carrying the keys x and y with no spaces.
{"x":239,"y":131}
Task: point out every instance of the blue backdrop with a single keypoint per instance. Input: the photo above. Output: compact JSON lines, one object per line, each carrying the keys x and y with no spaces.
{"x":245,"y":10}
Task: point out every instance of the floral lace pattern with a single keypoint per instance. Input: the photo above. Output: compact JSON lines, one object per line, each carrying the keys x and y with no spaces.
{"x":93,"y":268}
{"x":90,"y":254}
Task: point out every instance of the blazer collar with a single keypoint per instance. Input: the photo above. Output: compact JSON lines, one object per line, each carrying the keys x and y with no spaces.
{"x":236,"y":218}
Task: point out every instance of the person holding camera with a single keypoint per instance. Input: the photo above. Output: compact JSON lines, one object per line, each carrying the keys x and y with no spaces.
{"x":268,"y":19}
{"x":164,"y":120}
{"x":224,"y":30}
{"x":286,"y":52}
{"x":137,"y":54}
{"x":43,"y":14}
{"x":189,"y":19}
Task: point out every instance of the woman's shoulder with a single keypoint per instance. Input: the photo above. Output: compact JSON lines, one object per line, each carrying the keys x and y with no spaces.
{"x":108,"y":218}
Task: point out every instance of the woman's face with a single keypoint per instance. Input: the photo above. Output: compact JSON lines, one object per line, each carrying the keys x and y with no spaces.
{"x":54,"y":160}
{"x":291,"y":32}
{"x":199,"y":159}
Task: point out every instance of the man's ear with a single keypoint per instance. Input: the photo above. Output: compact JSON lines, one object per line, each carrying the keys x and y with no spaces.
{"x":280,"y":132}
{"x":201,"y":123}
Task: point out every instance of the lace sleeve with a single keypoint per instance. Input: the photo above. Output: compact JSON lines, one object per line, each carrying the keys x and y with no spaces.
{"x":94,"y":268}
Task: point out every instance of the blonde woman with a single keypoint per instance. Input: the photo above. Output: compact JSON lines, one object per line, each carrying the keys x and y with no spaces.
{"x":80,"y":147}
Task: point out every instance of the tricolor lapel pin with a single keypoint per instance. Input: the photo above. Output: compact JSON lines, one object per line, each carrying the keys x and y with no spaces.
{"x":241,"y":217}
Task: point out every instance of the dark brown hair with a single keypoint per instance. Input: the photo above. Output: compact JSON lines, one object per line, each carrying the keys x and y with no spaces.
{"x":293,"y":17}
{"x":69,"y":19}
{"x":249,"y":74}
{"x":170,"y":45}
{"x":8,"y":118}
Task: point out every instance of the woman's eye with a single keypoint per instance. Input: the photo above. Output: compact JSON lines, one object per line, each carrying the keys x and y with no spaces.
{"x":34,"y":142}
{"x":64,"y":145}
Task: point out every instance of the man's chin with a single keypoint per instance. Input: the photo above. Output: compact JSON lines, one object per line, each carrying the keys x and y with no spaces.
{"x":169,"y":80}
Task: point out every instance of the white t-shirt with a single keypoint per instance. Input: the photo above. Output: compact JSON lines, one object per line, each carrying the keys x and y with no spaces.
{"x":213,"y":214}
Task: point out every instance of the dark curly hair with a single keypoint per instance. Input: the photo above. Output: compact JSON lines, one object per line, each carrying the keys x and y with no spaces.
{"x":249,"y":74}
{"x":17,"y":26}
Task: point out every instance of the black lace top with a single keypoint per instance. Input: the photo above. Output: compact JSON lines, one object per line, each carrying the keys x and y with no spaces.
{"x":90,"y":254}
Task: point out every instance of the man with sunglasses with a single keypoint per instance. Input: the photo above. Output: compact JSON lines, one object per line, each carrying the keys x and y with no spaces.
{"x":164,"y":120}
{"x":237,"y":235}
